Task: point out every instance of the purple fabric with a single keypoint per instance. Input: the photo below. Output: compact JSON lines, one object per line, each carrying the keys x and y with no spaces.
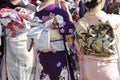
{"x":54,"y":62}
{"x":53,"y":9}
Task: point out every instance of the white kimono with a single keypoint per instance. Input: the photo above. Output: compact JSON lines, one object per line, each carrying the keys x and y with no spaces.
{"x":18,"y":63}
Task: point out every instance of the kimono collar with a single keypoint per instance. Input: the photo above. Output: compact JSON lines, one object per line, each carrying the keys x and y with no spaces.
{"x":46,"y":7}
{"x":50,"y":7}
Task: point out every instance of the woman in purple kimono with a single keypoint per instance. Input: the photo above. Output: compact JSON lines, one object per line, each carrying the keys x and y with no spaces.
{"x":53,"y":61}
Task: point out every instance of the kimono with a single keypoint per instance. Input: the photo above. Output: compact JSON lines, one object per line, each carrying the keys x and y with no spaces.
{"x":17,"y":62}
{"x":101,"y":67}
{"x":53,"y":63}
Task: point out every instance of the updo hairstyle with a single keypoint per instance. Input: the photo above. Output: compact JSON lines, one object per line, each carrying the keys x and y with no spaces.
{"x":91,"y":4}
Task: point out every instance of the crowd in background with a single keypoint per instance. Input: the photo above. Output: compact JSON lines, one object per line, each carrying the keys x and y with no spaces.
{"x":48,"y":62}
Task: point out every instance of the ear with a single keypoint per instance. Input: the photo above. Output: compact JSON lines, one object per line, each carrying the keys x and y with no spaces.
{"x":99,"y":1}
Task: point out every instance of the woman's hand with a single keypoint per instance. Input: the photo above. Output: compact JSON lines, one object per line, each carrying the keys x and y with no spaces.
{"x":64,"y":5}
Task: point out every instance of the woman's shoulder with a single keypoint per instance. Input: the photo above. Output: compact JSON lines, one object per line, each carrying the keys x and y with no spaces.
{"x":81,"y":25}
{"x":53,"y":8}
{"x":81,"y":21}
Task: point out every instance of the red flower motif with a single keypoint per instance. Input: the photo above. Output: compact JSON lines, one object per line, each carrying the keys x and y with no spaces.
{"x":13,"y":34}
{"x":11,"y":26}
{"x":20,"y":26}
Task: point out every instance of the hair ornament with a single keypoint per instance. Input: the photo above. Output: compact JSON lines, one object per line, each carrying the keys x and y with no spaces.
{"x":85,"y":1}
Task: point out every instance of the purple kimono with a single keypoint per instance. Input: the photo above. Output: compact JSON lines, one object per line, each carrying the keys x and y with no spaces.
{"x":53,"y":64}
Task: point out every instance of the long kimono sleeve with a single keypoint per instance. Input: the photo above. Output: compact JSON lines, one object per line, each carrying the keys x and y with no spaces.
{"x":68,"y":27}
{"x":118,"y":43}
{"x":116,"y":27}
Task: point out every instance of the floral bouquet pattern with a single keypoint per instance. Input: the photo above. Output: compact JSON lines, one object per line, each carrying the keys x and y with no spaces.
{"x":96,"y":39}
{"x":16,"y":20}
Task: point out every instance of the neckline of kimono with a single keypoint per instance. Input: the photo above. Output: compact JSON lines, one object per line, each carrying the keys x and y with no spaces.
{"x":93,"y":14}
{"x":43,"y":6}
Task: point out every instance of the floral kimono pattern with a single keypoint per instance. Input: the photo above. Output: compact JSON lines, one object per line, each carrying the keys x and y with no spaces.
{"x":19,"y":62}
{"x":98,"y":39}
{"x":101,"y":67}
{"x":52,"y":63}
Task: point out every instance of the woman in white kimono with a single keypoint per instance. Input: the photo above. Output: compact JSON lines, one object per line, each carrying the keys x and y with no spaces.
{"x":18,"y":63}
{"x":98,"y":36}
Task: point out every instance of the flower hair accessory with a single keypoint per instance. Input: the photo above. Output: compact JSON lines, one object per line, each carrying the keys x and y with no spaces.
{"x":85,"y":1}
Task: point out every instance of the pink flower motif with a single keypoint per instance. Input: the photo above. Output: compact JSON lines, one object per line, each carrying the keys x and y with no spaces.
{"x":4,"y":12}
{"x":15,"y":18}
{"x":23,"y":12}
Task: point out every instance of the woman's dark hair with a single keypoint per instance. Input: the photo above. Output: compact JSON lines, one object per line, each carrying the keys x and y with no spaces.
{"x":7,"y":3}
{"x":3,"y":3}
{"x":42,"y":0}
{"x":91,"y":4}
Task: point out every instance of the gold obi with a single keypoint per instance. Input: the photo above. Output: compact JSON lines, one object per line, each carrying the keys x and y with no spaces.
{"x":54,"y":35}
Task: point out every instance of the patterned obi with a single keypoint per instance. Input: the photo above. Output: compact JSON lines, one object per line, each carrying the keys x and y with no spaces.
{"x":97,"y":40}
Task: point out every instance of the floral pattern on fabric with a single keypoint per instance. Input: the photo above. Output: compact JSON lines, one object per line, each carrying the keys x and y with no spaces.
{"x":98,"y":39}
{"x":16,"y":20}
{"x":19,"y":62}
{"x":54,"y":62}
{"x":63,"y":74}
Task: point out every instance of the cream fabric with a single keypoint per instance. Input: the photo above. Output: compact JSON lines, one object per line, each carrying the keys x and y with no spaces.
{"x":41,"y":38}
{"x":19,"y":61}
